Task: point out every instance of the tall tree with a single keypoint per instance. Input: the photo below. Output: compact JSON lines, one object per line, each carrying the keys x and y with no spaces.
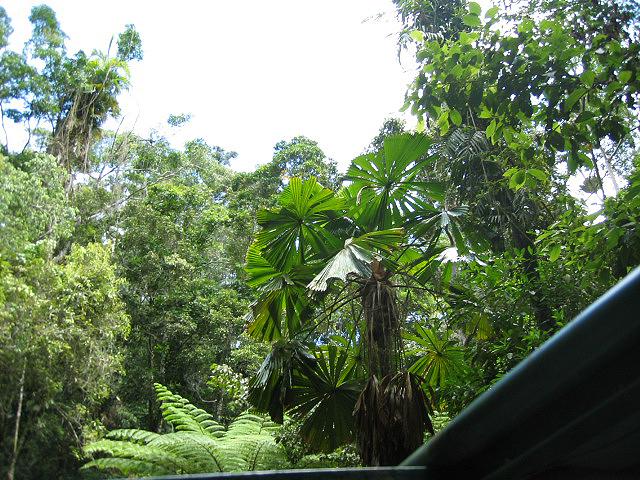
{"x":520,"y":105}
{"x":179,"y":248}
{"x":60,"y":323}
{"x":72,"y":95}
{"x":374,"y":234}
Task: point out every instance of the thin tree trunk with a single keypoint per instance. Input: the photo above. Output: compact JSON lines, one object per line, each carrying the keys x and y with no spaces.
{"x":597,"y":170}
{"x":220,"y":407}
{"x":6,"y":137}
{"x":153,"y":423}
{"x":607,"y":163}
{"x":16,"y":434}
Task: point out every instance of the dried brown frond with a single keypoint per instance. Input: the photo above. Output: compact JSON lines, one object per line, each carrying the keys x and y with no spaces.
{"x":391,"y":418}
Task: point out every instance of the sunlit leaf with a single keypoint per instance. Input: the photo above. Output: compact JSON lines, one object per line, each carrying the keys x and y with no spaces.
{"x":471,"y":20}
{"x":492,"y":12}
{"x":455,"y":116}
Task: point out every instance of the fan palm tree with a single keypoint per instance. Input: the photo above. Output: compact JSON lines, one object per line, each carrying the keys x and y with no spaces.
{"x":319,"y":251}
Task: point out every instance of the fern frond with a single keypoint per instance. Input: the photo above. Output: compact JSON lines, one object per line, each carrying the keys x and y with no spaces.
{"x":254,"y":452}
{"x":184,"y":416}
{"x":127,"y":466}
{"x":201,"y":452}
{"x":141,"y":437}
{"x":251,"y":424}
{"x":144,"y":453}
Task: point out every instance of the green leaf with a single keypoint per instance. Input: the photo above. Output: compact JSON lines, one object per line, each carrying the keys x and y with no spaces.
{"x":272,"y":382}
{"x":613,"y":237}
{"x":182,"y":415}
{"x":467,"y":38}
{"x":556,"y":140}
{"x":444,"y":127}
{"x":282,"y":301}
{"x":548,"y":25}
{"x":474,"y":8}
{"x":539,"y":174}
{"x":433,"y":190}
{"x":574,"y":97}
{"x":585,"y":160}
{"x":297,"y":229}
{"x":572,"y":163}
{"x":491,"y":129}
{"x":517,"y":180}
{"x":475,"y":95}
{"x":443,"y":118}
{"x":508,"y":134}
{"x":587,"y":78}
{"x":485,"y":113}
{"x":471,"y":20}
{"x":543,"y":235}
{"x":455,"y":116}
{"x":625,"y":76}
{"x":356,"y":257}
{"x":526,"y":26}
{"x":585,"y":116}
{"x":510,"y":172}
{"x":417,"y":35}
{"x":259,"y":270}
{"x":554,"y":253}
{"x":479,"y":326}
{"x":492,"y":12}
{"x":351,"y":260}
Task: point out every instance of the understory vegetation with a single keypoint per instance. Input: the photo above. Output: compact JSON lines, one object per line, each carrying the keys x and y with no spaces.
{"x":161,"y":313}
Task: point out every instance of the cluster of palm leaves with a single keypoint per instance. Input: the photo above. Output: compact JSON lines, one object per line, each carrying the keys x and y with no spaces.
{"x":197,"y":444}
{"x":324,"y":257}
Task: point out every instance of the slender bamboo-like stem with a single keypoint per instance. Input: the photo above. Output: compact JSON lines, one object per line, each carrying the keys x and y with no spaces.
{"x":16,"y":433}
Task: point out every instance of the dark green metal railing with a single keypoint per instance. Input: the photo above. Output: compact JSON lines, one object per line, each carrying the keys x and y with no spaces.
{"x":371,"y":473}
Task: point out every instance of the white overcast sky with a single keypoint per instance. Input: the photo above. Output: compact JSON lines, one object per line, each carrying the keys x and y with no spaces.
{"x":249,"y":72}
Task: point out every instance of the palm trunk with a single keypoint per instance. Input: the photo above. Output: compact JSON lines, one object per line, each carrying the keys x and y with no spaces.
{"x":383,"y":341}
{"x":392,"y":410}
{"x":16,"y":433}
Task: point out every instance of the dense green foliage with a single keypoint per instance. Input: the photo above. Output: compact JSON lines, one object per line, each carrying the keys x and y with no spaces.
{"x":361,"y":311}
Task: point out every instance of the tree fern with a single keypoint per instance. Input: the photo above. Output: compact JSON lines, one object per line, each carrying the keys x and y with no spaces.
{"x":197,"y":444}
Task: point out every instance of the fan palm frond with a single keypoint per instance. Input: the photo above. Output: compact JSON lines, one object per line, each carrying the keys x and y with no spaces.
{"x":324,"y":398}
{"x":441,"y":358}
